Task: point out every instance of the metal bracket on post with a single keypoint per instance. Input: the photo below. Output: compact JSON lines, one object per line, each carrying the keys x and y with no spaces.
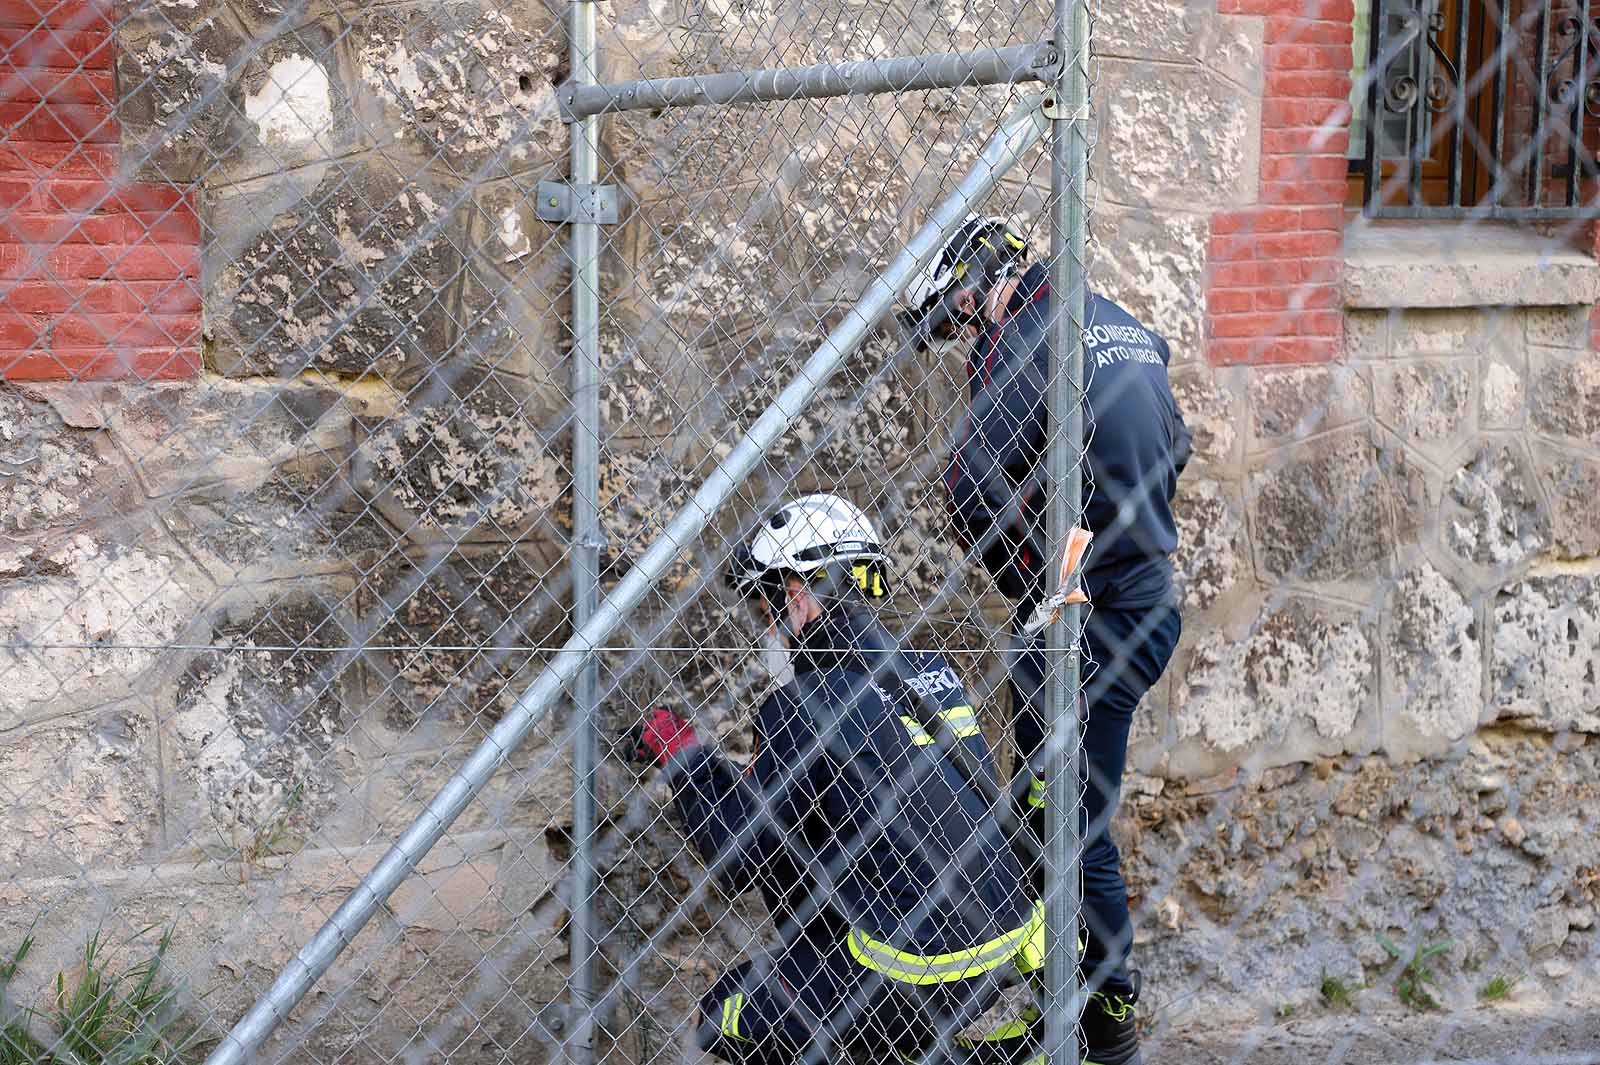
{"x":558,"y":201}
{"x":1052,"y":109}
{"x":1047,"y":64}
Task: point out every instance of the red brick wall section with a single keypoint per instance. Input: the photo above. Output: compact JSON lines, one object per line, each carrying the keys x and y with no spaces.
{"x":1272,"y":292}
{"x":99,"y":278}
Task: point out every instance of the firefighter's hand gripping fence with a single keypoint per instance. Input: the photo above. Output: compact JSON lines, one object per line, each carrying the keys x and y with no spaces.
{"x":540,"y":531}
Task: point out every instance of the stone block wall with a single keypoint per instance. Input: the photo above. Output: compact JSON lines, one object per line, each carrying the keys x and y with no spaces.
{"x":1386,"y":548}
{"x":251,"y":620}
{"x":1351,"y":558}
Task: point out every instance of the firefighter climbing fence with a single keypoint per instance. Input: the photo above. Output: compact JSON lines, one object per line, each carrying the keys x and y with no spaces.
{"x":384,"y":390}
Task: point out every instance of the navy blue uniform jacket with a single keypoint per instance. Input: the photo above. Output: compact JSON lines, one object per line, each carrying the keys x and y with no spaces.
{"x":1138,"y":444}
{"x":902,"y":846}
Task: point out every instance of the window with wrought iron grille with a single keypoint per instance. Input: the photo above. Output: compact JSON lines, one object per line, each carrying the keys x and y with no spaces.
{"x":1471,"y":108}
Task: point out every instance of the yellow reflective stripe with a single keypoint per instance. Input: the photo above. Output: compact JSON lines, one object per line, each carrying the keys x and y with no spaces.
{"x":1010,"y":1030}
{"x":912,"y":968}
{"x":1014,"y":1030}
{"x":1031,"y":957}
{"x":730,"y":1017}
{"x":919,"y":735}
{"x":963,"y":721}
{"x":1036,"y":792}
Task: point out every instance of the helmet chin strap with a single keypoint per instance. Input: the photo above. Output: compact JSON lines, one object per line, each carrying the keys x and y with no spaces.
{"x":985,"y":300}
{"x":841,"y":590}
{"x":829,"y":639}
{"x":778,"y":656}
{"x":992,"y":306}
{"x":776,"y":595}
{"x":963,"y":320}
{"x":945,"y":345}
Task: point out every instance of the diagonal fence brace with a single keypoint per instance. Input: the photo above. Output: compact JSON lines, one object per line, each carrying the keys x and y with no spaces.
{"x":1021,"y":130}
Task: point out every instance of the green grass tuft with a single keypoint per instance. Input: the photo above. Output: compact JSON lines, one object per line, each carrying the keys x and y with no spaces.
{"x":99,"y":1014}
{"x":1411,"y":986}
{"x":1335,"y":992}
{"x":17,"y":1045}
{"x":1498,"y":987}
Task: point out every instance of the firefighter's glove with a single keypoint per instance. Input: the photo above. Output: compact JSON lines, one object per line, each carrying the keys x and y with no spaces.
{"x":664,"y":733}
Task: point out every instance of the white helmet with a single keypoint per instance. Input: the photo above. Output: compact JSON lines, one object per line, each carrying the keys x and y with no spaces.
{"x":982,"y":251}
{"x":803,"y":537}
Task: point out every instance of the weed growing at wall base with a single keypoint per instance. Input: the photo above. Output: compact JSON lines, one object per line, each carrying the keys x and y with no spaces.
{"x":99,"y":1014}
{"x":1335,"y":992}
{"x":272,"y":837}
{"x":1411,"y":985}
{"x":1498,"y":987}
{"x":16,"y":1044}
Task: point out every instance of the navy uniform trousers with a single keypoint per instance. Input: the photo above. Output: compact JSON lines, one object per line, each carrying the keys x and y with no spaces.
{"x":1128,"y":650}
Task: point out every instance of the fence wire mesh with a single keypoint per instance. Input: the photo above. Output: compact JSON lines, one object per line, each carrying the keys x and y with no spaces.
{"x":290,"y":506}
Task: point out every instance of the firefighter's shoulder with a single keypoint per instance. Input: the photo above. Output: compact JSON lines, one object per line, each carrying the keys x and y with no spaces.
{"x":811,"y":704}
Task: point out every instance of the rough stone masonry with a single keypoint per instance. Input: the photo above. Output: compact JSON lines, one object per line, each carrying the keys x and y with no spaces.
{"x":250,"y":619}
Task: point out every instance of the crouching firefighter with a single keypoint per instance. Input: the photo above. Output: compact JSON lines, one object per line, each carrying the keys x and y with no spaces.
{"x":898,"y":903}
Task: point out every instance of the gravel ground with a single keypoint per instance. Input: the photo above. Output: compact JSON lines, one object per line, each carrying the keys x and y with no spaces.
{"x":1515,"y":1033}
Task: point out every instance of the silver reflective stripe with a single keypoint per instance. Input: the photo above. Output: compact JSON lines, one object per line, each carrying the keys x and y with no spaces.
{"x":963,"y":721}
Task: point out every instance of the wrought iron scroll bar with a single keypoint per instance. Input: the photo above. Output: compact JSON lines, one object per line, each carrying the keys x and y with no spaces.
{"x":1541,"y":72}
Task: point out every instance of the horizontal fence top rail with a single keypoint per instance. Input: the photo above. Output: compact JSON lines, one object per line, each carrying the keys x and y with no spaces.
{"x":948,"y":70}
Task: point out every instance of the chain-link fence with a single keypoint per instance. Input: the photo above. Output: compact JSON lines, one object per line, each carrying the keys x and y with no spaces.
{"x":387,"y":391}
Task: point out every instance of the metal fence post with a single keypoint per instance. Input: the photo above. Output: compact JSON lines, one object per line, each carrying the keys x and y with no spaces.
{"x":586,"y":538}
{"x":1064,"y":464}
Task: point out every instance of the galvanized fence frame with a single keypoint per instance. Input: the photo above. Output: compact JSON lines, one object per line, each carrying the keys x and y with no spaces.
{"x":1064,"y":108}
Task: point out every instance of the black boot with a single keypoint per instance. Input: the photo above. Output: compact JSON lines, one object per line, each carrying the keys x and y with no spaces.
{"x":1111,"y":1026}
